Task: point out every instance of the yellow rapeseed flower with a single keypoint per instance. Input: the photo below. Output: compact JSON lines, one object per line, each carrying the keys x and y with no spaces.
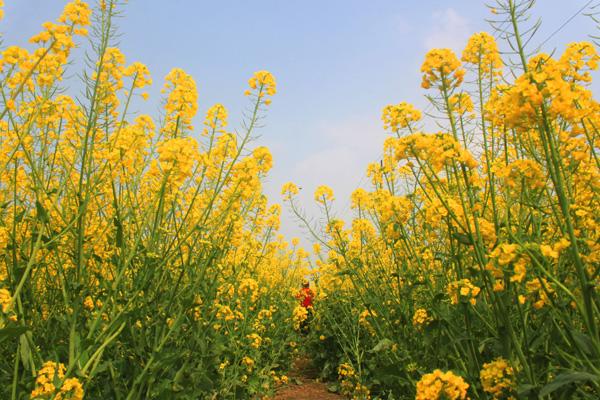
{"x":323,"y":194}
{"x":440,"y":385}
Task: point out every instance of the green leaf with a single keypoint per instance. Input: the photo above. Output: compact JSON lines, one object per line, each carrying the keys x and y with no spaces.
{"x":119,"y":236}
{"x":566,"y":378}
{"x":483,"y":344}
{"x":42,"y":214}
{"x":179,"y":375}
{"x":384,"y":344}
{"x":25,"y":351}
{"x":19,"y":216}
{"x":11,"y":332}
{"x":525,"y":389}
{"x":584,"y":342}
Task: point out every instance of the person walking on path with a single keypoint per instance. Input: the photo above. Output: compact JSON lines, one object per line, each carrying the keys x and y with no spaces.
{"x":306,"y":296}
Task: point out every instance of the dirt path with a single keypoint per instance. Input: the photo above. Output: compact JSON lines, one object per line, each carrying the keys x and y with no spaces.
{"x":308,"y":389}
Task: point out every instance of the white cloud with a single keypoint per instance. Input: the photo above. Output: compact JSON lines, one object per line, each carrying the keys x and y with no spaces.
{"x":337,"y":167}
{"x":450,"y":30}
{"x":359,"y":133}
{"x":342,"y":163}
{"x":346,"y":147}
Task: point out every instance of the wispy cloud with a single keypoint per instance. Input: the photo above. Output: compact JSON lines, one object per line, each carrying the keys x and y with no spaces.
{"x":346,"y":147}
{"x":450,"y":30}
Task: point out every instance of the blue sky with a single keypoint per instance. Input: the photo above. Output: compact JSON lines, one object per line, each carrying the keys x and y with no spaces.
{"x":337,"y":63}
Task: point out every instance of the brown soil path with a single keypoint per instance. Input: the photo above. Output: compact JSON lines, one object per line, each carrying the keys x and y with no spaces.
{"x":309,"y":389}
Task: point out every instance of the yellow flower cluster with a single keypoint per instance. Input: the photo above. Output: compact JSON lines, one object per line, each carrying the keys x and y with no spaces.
{"x":129,"y":146}
{"x":47,"y":63}
{"x":216,"y":119}
{"x":438,"y":150}
{"x":110,"y":74}
{"x":266,"y":314}
{"x":88,"y":303}
{"x":365,"y":318}
{"x":248,"y":363}
{"x":5,"y":300}
{"x":421,"y":318}
{"x":76,"y":13}
{"x":182,"y":102}
{"x":553,"y":252}
{"x":461,"y":290}
{"x":6,"y":307}
{"x":255,"y":340}
{"x":440,"y":385}
{"x":289,"y":190}
{"x":44,"y":382}
{"x":482,"y":51}
{"x":299,"y":316}
{"x":442,"y":67}
{"x":497,"y":379}
{"x":51,"y":373}
{"x":177,"y":157}
{"x":361,"y":392}
{"x":461,"y":104}
{"x":226,"y":314}
{"x":264,"y":83}
{"x":323,"y":194}
{"x":556,"y":85}
{"x":522,"y":172}
{"x":350,"y":383}
{"x":539,"y":291}
{"x":71,"y":389}
{"x":140,"y":74}
{"x":398,"y":116}
{"x":505,"y":253}
{"x":360,"y":198}
{"x":279,"y":380}
{"x":249,"y":287}
{"x":507,"y":257}
{"x":346,"y":370}
{"x":223,"y":365}
{"x":578,"y":60}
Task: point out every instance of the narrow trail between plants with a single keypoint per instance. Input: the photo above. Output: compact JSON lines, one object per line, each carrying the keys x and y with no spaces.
{"x":304,"y":385}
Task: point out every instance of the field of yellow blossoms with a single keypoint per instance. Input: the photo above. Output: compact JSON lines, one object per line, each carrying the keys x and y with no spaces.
{"x":140,"y":259}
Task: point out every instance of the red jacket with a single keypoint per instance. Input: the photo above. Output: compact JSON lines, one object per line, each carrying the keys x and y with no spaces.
{"x":306,"y":297}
